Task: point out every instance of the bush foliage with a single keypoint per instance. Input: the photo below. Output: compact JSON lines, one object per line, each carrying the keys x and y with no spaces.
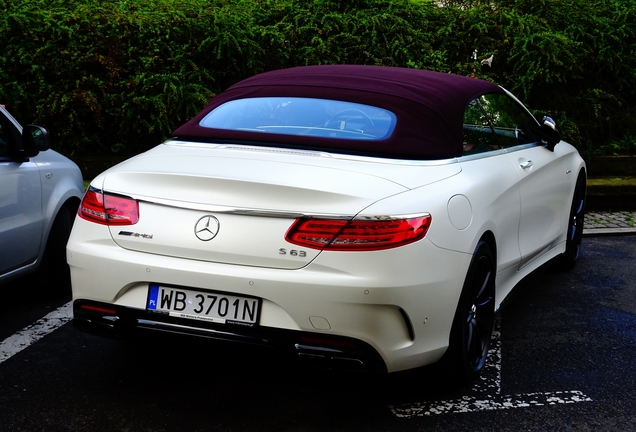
{"x":104,"y":76}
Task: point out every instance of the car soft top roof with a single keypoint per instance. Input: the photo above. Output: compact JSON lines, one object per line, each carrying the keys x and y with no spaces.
{"x":429,"y":107}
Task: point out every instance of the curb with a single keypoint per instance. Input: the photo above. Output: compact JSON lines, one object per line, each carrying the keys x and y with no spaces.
{"x":609,"y":223}
{"x":598,"y":232}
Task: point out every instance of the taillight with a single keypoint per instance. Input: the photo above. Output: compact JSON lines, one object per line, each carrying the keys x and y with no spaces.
{"x":358,"y":234}
{"x":108,"y":209}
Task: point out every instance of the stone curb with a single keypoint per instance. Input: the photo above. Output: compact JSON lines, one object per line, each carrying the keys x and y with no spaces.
{"x":595,"y":232}
{"x":607,"y":223}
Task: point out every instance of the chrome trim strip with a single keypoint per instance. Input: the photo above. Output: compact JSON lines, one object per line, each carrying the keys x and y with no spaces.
{"x":390,"y":217}
{"x":523,"y":147}
{"x":407,"y":162}
{"x":492,"y":153}
{"x":483,"y":155}
{"x":273,"y":213}
{"x":211,"y":208}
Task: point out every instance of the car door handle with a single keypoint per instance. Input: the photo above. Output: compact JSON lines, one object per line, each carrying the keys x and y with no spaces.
{"x":526,"y":164}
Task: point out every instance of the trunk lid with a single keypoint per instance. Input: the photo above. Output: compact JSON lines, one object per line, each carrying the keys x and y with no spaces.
{"x":234,"y":205}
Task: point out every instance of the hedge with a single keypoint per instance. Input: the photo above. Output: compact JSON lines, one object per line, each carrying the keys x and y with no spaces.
{"x":120,"y":76}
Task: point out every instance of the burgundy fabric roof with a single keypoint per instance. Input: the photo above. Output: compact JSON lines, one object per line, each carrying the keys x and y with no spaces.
{"x":429,"y":107}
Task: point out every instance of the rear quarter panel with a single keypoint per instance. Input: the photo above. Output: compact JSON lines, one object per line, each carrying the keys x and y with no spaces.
{"x":489,"y":189}
{"x":61,"y":181}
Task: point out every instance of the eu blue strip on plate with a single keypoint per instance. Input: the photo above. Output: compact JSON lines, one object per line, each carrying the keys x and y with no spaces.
{"x":153,"y":296}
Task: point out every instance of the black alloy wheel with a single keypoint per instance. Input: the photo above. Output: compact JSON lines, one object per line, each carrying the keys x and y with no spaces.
{"x":474,"y":319}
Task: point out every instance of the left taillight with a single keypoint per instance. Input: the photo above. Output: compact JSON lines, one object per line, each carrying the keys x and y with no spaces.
{"x":358,"y":234}
{"x":107,"y":209}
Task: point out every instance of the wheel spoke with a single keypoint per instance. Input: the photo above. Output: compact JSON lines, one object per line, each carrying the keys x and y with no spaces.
{"x":579,"y":208}
{"x":482,"y":277}
{"x":573,"y":232}
{"x":576,"y":218}
{"x":484,"y":303}
{"x":476,"y":345}
{"x":469,"y":336}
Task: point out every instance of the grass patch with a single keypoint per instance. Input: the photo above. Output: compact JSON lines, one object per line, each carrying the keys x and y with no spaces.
{"x":612,"y":181}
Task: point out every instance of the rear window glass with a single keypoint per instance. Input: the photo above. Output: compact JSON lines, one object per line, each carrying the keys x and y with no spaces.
{"x":304,"y":117}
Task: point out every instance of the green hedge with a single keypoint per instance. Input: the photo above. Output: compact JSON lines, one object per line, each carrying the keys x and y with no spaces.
{"x":107,"y":76}
{"x":575,"y":59}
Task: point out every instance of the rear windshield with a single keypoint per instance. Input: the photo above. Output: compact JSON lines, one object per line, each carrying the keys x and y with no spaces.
{"x":304,"y":117}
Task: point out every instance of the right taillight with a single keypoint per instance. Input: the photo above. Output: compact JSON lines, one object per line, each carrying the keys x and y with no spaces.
{"x":358,"y":234}
{"x":107,"y":209}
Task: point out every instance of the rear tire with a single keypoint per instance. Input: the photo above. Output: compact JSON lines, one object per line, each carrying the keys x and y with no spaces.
{"x":54,"y":273}
{"x":474,"y":318}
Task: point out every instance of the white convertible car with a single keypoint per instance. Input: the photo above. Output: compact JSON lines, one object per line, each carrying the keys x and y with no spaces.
{"x":361,"y":217}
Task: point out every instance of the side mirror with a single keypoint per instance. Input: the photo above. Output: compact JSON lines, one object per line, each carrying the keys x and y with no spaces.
{"x":34,"y":140}
{"x":549,"y":130}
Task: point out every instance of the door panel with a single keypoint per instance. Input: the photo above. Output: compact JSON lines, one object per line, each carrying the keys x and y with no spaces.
{"x":20,"y":214}
{"x":541,"y":173}
{"x":542,"y":188}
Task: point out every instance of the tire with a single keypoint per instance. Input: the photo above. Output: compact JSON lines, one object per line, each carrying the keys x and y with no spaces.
{"x":474,"y":318}
{"x":574,"y":234}
{"x":54,"y":272}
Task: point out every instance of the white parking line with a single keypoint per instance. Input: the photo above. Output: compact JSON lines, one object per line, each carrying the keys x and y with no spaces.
{"x":486,"y":391}
{"x":472,"y":404}
{"x":485,"y":395}
{"x":36,"y":331}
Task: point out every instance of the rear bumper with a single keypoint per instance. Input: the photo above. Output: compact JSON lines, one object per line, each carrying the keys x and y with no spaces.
{"x":314,"y":349}
{"x":398,"y":304}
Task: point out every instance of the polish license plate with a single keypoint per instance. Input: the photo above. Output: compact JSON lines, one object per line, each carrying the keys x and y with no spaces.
{"x":203,"y":305}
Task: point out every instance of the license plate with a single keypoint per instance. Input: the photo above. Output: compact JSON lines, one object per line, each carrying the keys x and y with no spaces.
{"x":203,"y":305}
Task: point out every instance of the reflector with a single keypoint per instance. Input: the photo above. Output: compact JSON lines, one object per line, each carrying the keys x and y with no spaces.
{"x":105,"y":310}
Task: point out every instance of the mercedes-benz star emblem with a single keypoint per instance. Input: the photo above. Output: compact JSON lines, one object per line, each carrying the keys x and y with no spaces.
{"x":206,"y":228}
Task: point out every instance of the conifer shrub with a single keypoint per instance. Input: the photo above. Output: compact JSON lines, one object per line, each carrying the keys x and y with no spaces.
{"x":120,"y":76}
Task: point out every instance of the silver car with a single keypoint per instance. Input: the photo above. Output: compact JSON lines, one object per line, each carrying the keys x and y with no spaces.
{"x":39,"y":193}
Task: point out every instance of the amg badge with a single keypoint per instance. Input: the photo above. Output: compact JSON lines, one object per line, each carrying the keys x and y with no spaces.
{"x":134,"y":234}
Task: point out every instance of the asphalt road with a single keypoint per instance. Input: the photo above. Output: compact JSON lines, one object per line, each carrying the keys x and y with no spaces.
{"x":563,"y":360}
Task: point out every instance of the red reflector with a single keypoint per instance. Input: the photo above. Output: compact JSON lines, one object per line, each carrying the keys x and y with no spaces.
{"x":108,"y":209}
{"x":105,"y":310}
{"x":358,"y":235}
